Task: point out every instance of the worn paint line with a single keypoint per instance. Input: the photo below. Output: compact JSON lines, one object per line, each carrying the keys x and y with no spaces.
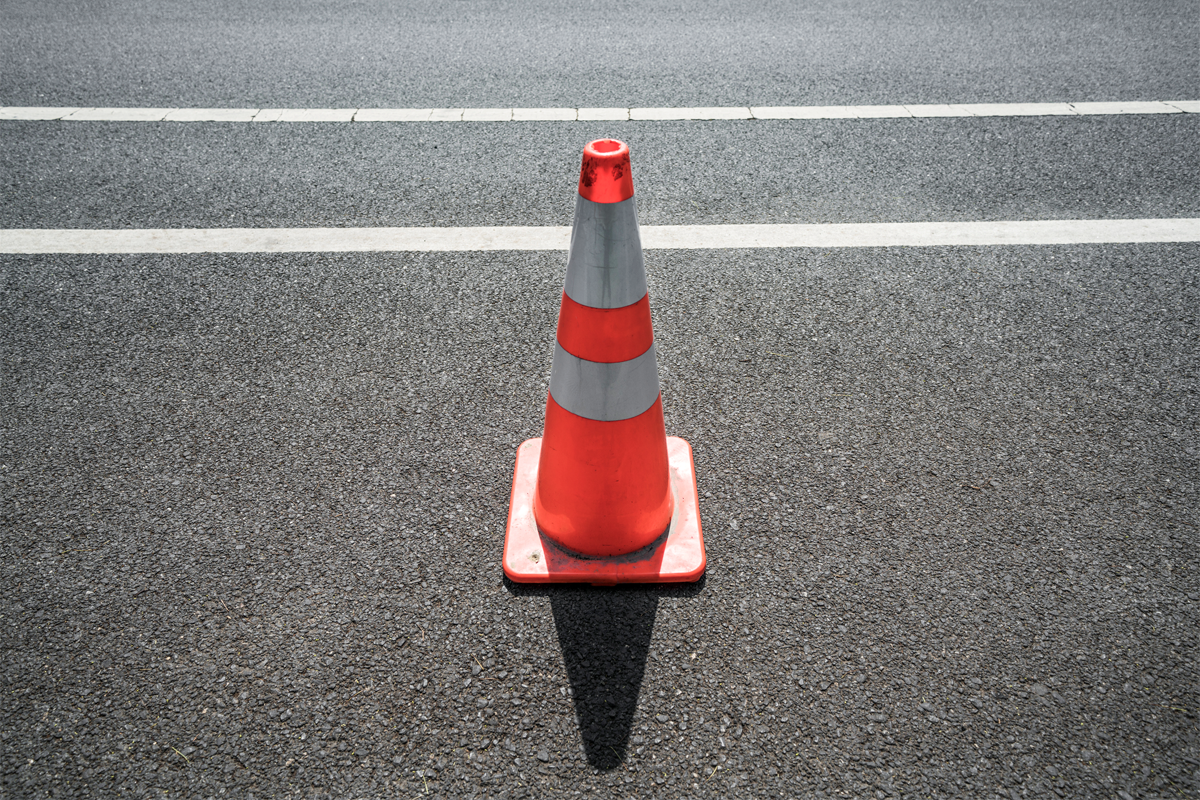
{"x":654,"y":237}
{"x":330,"y":115}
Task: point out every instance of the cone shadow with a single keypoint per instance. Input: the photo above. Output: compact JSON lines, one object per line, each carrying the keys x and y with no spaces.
{"x":605,"y":636}
{"x":605,"y":639}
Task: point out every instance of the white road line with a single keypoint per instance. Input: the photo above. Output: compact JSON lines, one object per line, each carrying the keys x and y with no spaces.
{"x":654,"y":237}
{"x":315,"y":115}
{"x":923,"y":234}
{"x":211,"y":115}
{"x":601,"y":113}
{"x":1033,"y":109}
{"x":393,"y":115}
{"x":545,"y":114}
{"x":938,"y":110}
{"x":119,"y":114}
{"x":487,"y":114}
{"x":27,"y":114}
{"x":39,"y":113}
{"x":691,"y":113}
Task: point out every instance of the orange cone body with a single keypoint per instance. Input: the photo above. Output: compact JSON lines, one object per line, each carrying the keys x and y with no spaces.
{"x":603,"y":487}
{"x":604,"y":496}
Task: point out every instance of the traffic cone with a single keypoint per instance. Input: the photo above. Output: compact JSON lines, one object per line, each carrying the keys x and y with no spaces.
{"x":604,"y":496}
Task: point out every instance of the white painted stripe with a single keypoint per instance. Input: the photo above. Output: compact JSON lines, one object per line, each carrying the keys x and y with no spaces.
{"x":393,"y":115}
{"x":1124,"y":108}
{"x":282,"y":240}
{"x":119,"y":114}
{"x":545,"y":114}
{"x":654,"y":237}
{"x":592,"y":114}
{"x":34,"y":114}
{"x":211,"y":115}
{"x":1018,"y":109}
{"x":602,"y":113}
{"x":487,"y":114}
{"x":316,"y":115}
{"x":736,"y":112}
{"x":922,"y":234}
{"x":881,"y":112}
{"x":937,"y":110}
{"x":803,"y":112}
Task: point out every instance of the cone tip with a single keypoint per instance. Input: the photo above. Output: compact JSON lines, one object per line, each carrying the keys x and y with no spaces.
{"x":605,"y":176}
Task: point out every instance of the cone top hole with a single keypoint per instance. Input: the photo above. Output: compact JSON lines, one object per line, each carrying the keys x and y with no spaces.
{"x":606,"y":145}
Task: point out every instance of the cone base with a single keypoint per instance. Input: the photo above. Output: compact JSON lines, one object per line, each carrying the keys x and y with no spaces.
{"x":678,"y":557}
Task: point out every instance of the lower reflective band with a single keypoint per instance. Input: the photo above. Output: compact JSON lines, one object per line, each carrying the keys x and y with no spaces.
{"x":604,"y":392}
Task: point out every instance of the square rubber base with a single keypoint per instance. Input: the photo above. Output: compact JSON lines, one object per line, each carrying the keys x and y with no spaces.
{"x":530,"y":557}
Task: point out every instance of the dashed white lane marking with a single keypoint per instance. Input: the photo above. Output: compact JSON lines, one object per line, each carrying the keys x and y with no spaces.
{"x":655,"y":237}
{"x":211,"y":115}
{"x":571,"y":114}
{"x":305,"y":115}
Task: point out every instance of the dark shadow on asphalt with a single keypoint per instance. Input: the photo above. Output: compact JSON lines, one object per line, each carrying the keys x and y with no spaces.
{"x":605,"y":638}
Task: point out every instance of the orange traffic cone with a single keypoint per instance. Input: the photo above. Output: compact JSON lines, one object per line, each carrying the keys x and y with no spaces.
{"x":604,"y":496}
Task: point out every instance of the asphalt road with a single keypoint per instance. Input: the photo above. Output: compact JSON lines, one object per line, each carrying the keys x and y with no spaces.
{"x":149,"y":53}
{"x":253,"y":505}
{"x":69,"y":174}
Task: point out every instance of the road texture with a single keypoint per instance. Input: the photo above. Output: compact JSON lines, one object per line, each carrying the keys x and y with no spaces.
{"x":105,"y":175}
{"x":253,"y":505}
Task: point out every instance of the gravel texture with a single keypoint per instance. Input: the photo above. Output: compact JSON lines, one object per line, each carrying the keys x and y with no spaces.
{"x":253,"y":506}
{"x":72,"y":174}
{"x":500,"y":53}
{"x":253,"y":512}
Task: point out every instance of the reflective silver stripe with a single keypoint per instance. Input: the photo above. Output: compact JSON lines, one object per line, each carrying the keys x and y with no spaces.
{"x":605,"y":392}
{"x":604,"y":268}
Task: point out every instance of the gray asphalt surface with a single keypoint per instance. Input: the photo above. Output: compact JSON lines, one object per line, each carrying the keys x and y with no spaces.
{"x":69,"y":174}
{"x":483,"y":54}
{"x":253,"y":505}
{"x":257,"y":506}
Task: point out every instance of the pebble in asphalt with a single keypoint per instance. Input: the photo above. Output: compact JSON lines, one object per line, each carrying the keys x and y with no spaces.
{"x":254,"y":508}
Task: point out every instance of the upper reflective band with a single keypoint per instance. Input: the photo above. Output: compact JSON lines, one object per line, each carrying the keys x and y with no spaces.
{"x":604,"y":392}
{"x":604,"y":268}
